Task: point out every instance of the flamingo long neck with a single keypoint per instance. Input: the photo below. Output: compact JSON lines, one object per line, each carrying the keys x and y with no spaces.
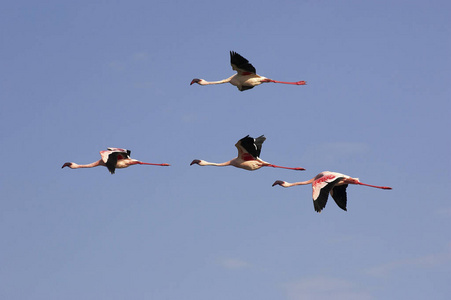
{"x":204,"y":82}
{"x":91,"y":165}
{"x":300,"y":182}
{"x":206,"y":163}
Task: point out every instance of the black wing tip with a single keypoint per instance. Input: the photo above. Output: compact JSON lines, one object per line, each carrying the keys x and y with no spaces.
{"x":318,"y":207}
{"x":237,"y":58}
{"x":342,"y":207}
{"x":340,"y":196}
{"x":111,"y":169}
{"x":252,"y":145}
{"x":234,"y":53}
{"x":241,"y":63}
{"x":320,"y":202}
{"x":261,"y":138}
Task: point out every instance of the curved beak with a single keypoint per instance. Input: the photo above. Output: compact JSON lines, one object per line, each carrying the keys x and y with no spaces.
{"x":196,"y":161}
{"x":277,"y":182}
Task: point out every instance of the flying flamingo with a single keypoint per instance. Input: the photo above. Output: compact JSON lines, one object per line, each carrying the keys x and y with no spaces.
{"x":248,"y":156}
{"x":112,"y":158}
{"x":246,"y":77}
{"x":329,"y":182}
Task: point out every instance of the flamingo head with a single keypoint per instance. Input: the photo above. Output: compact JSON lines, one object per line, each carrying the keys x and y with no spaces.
{"x":196,"y":161}
{"x":68,"y":164}
{"x":279,"y":182}
{"x":195,"y":80}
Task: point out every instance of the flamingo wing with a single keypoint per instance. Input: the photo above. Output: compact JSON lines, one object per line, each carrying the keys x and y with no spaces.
{"x":338,"y":193}
{"x":240,"y":64}
{"x":112,"y":155}
{"x":105,"y":155}
{"x":258,"y":142}
{"x":120,"y":150}
{"x":112,"y":161}
{"x":250,"y":148}
{"x":245,"y":87}
{"x":322,"y":186}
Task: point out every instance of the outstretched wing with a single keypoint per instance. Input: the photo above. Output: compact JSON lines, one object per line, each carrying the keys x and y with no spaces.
{"x":240,"y":64}
{"x":250,"y":148}
{"x":338,"y":193}
{"x":322,"y":186}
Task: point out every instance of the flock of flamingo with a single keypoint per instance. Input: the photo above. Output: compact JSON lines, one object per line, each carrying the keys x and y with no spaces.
{"x":249,"y":148}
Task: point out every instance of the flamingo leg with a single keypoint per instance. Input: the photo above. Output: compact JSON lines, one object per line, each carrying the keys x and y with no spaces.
{"x":302,"y":82}
{"x":143,"y":163}
{"x":375,"y":186}
{"x":274,"y":166}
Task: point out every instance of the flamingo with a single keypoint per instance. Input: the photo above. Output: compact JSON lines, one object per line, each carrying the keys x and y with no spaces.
{"x":248,"y":156}
{"x":112,"y":158}
{"x":329,"y":182}
{"x":246,"y":77}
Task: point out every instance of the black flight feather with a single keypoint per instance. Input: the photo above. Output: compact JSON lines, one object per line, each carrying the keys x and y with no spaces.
{"x":241,"y":63}
{"x":253,"y":146}
{"x":338,"y":193}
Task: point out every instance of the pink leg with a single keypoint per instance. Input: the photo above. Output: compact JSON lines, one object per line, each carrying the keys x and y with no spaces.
{"x":274,"y":166}
{"x":375,"y":186}
{"x":143,"y":163}
{"x":302,"y":82}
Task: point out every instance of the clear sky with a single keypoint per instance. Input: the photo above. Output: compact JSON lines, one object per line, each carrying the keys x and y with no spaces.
{"x":79,"y":76}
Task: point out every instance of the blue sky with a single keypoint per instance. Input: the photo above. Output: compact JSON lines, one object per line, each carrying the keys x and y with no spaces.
{"x":79,"y":77}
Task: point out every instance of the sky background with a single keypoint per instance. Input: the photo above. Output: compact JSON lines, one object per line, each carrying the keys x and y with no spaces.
{"x":79,"y":76}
